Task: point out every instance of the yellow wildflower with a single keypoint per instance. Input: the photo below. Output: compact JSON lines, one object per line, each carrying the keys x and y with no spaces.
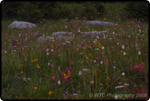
{"x":104,"y":18}
{"x":81,"y":53}
{"x":35,"y":87}
{"x":122,"y":51}
{"x":76,"y":17}
{"x":31,"y":60}
{"x":100,"y":46}
{"x":83,"y":47}
{"x":21,"y":72}
{"x":50,"y":92}
{"x":119,"y":19}
{"x":90,"y":54}
{"x":98,"y":13}
{"x":86,"y":57}
{"x":52,"y":46}
{"x":18,"y":67}
{"x":64,"y":74}
{"x":82,"y":61}
{"x":36,"y":59}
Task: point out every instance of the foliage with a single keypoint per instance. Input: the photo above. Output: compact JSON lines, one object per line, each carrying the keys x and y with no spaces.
{"x":34,"y":11}
{"x":137,"y":10}
{"x":30,"y":12}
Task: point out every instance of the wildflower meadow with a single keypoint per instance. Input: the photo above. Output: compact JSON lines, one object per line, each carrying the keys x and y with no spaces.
{"x":113,"y":65}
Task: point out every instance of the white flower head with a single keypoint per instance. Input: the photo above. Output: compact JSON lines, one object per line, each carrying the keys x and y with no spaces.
{"x":103,"y":47}
{"x":5,"y":51}
{"x":123,"y":74}
{"x":58,"y":68}
{"x":124,"y":53}
{"x":101,"y":62}
{"x":52,"y":50}
{"x":117,"y":43}
{"x":59,"y":82}
{"x":139,"y":30}
{"x":123,"y":47}
{"x":47,"y":53}
{"x":48,"y":64}
{"x":80,"y":73}
{"x":116,"y":96}
{"x":139,"y":53}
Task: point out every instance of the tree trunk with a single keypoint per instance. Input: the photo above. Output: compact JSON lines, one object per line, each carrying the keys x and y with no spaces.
{"x":4,"y":15}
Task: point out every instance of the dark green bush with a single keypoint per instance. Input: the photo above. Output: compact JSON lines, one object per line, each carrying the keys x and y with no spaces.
{"x":90,"y":12}
{"x":29,"y":12}
{"x":137,"y":10}
{"x":100,"y":8}
{"x":78,"y":10}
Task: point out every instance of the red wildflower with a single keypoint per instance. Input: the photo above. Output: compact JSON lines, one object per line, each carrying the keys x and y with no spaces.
{"x":68,"y":27}
{"x":52,"y":79}
{"x":107,"y":62}
{"x":69,"y":67}
{"x":97,"y":58}
{"x":70,"y":62}
{"x":129,"y":98}
{"x":137,"y":91}
{"x":69,"y":74}
{"x":66,"y":78}
{"x":100,"y":53}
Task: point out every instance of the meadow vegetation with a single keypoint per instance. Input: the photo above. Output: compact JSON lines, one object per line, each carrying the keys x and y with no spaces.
{"x":115,"y":62}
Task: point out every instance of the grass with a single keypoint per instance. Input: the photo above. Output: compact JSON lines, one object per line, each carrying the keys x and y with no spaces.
{"x":27,"y":69}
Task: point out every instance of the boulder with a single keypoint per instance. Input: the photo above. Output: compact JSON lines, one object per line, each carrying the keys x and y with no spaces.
{"x":38,"y":34}
{"x":21,"y":25}
{"x":98,"y":23}
{"x":60,"y":33}
{"x":42,"y":39}
{"x":94,"y":32}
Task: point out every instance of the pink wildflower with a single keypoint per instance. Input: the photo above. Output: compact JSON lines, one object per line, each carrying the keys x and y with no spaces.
{"x":107,"y":62}
{"x":70,"y":62}
{"x":52,"y":79}
{"x":137,"y":91}
{"x":100,"y":54}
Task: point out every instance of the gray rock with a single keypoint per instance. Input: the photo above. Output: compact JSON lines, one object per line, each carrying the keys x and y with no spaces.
{"x":98,"y":23}
{"x":59,"y":33}
{"x":38,"y":34}
{"x":93,"y":32}
{"x":21,"y":25}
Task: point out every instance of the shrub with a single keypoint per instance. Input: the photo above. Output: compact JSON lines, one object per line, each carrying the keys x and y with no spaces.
{"x":78,"y":10}
{"x":90,"y":12}
{"x":137,"y":10}
{"x":100,"y":8}
{"x":29,"y":12}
